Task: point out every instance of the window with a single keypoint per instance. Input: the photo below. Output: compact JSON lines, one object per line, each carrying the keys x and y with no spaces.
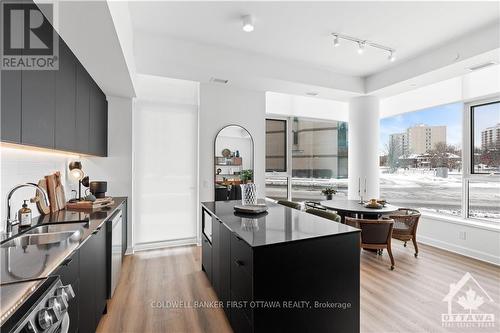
{"x":426,"y":172}
{"x":276,"y":150}
{"x":486,"y":138}
{"x":317,"y":158}
{"x":482,"y":181}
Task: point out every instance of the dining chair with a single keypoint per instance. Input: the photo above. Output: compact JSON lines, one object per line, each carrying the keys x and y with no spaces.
{"x":405,"y":226}
{"x":375,"y":234}
{"x":325,"y":214}
{"x":291,"y":204}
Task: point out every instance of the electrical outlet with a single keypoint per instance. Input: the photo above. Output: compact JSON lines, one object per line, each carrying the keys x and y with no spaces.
{"x":462,"y":235}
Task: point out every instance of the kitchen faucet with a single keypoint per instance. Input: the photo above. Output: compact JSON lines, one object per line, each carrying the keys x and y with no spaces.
{"x":13,"y":221}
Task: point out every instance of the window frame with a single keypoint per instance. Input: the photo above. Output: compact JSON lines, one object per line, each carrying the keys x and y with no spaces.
{"x":468,"y":174}
{"x":288,"y":151}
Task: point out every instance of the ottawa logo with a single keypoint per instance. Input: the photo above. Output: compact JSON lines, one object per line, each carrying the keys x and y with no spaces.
{"x":465,"y":299}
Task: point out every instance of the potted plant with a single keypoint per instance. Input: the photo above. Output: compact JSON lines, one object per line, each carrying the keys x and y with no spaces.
{"x":329,"y":192}
{"x":246,"y":176}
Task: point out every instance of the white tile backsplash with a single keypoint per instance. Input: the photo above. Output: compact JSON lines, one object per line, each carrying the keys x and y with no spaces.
{"x":23,"y":165}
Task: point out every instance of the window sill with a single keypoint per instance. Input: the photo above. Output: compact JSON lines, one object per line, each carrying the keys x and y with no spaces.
{"x":459,"y":220}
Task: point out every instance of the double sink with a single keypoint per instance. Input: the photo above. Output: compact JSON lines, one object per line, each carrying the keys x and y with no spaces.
{"x":46,"y":235}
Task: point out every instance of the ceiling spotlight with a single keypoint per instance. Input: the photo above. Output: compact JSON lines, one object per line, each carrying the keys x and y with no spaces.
{"x":248,"y":22}
{"x":336,"y":41}
{"x":392,"y":57}
{"x":361,"y":47}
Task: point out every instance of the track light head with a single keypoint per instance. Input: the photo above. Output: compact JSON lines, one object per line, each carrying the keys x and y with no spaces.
{"x":248,"y":23}
{"x":361,"y":47}
{"x":392,"y":57}
{"x":336,"y":41}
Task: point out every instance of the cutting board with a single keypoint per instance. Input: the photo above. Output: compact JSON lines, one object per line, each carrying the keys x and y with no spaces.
{"x":60,"y":196}
{"x":40,"y":202}
{"x":99,"y":203}
{"x":51,"y":190}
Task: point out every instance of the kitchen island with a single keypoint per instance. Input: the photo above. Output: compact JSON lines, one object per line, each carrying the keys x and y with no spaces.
{"x":283,"y":270}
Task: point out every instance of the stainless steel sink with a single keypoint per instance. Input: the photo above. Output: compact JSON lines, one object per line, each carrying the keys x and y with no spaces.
{"x":47,"y":234}
{"x":39,"y":239}
{"x":53,"y":228}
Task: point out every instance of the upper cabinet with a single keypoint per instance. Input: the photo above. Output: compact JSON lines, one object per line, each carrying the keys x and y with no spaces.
{"x":60,"y":109}
{"x":38,"y":108}
{"x":98,"y":143}
{"x":65,"y":133}
{"x":11,"y":106}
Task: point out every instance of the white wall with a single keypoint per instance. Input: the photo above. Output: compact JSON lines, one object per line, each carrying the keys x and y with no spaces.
{"x":477,"y":84}
{"x":221,"y":106}
{"x":22,"y":165}
{"x":303,"y":106}
{"x":481,"y":242}
{"x":116,"y":168}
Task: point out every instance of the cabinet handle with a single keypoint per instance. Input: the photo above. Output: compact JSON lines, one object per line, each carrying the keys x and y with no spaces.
{"x":239,"y":262}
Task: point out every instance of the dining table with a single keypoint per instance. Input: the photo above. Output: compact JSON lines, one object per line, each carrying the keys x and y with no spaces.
{"x":354,"y":208}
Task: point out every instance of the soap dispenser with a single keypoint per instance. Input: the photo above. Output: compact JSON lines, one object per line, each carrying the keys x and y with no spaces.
{"x":24,"y":215}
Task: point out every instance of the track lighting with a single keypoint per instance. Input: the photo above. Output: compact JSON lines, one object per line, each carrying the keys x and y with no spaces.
{"x":362,"y":44}
{"x":248,"y":22}
{"x":361,"y":47}
{"x":336,"y":41}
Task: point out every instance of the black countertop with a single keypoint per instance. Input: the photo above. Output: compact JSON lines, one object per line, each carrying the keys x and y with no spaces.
{"x":20,"y":265}
{"x":279,"y":224}
{"x":38,"y":261}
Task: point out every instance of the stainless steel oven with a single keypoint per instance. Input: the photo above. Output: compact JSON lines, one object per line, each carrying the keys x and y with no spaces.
{"x":45,"y":310}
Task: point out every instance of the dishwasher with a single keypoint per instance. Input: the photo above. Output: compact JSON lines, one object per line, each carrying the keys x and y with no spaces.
{"x":115,"y":254}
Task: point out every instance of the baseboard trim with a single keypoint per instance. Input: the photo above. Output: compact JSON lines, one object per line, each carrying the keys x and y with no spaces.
{"x":479,"y":255}
{"x":165,"y":244}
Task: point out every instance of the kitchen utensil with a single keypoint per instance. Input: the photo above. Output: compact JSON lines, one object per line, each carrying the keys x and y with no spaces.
{"x":51,"y":190}
{"x":40,"y":203}
{"x":99,"y":188}
{"x":60,"y":195}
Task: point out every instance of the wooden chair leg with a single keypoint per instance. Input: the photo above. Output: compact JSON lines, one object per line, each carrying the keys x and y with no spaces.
{"x":389,"y":250}
{"x":414,"y":240}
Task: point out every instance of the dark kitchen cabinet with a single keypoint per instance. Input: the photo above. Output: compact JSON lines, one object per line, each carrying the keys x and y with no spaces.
{"x":221,"y":261}
{"x":65,"y":133}
{"x":38,"y":108}
{"x":82,"y":108}
{"x":60,"y":109}
{"x":93,"y":282}
{"x":98,"y":143}
{"x":216,"y":225}
{"x":206,"y":257}
{"x":11,"y":106}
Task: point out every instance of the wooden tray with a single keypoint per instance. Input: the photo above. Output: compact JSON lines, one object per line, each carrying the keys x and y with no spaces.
{"x":99,"y":203}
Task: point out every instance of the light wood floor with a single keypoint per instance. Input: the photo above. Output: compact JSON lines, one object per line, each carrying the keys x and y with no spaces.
{"x":408,"y":299}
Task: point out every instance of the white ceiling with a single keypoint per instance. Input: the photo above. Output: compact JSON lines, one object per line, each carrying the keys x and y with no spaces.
{"x":300,"y":31}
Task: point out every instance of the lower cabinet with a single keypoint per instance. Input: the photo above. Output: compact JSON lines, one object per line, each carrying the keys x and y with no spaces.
{"x":93,"y":282}
{"x":206,"y":257}
{"x":221,"y":262}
